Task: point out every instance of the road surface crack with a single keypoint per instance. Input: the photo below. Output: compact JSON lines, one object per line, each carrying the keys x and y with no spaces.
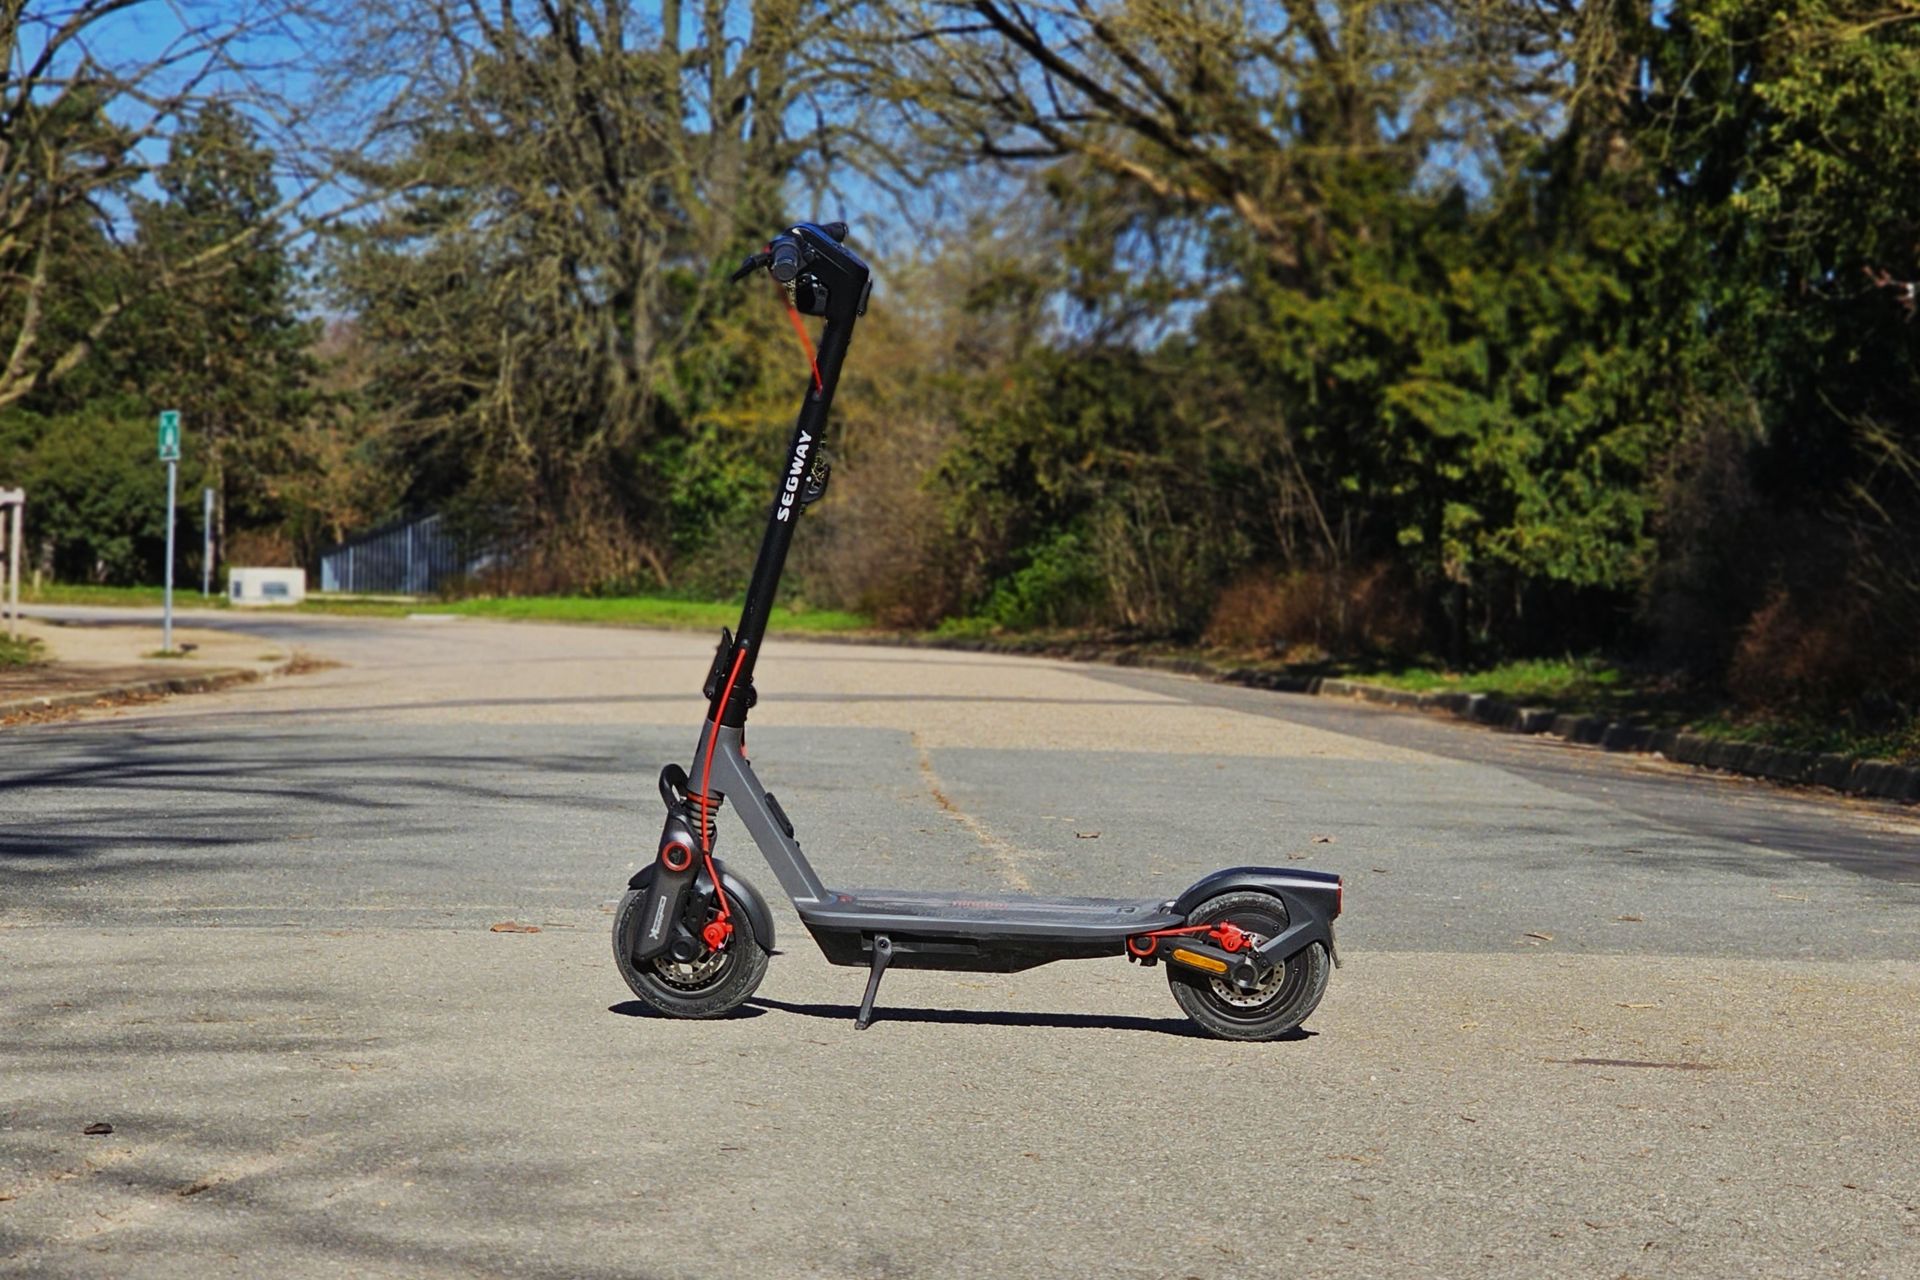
{"x":1005,"y":855}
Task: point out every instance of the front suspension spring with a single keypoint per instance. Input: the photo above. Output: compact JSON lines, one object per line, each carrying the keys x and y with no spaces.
{"x":695,"y":801}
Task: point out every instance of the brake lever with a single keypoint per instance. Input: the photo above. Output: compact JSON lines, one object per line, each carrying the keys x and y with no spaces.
{"x":753,"y":263}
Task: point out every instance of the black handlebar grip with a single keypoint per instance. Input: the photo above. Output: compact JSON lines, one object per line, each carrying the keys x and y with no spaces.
{"x":786,"y":260}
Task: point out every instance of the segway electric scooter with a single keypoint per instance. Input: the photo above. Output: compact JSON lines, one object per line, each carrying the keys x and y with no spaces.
{"x":1247,"y":950}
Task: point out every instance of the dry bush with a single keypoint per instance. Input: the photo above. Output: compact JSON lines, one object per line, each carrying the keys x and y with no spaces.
{"x":1310,"y":612}
{"x":1830,"y":652}
{"x":1790,"y":657}
{"x":1805,"y":608}
{"x":1717,"y":540}
{"x":880,"y":541}
{"x":1158,"y":563}
{"x":880,"y":544}
{"x":263,"y":548}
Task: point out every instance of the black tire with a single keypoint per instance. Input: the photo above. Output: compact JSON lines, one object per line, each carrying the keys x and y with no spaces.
{"x":1285,"y":1001}
{"x":712,"y":985}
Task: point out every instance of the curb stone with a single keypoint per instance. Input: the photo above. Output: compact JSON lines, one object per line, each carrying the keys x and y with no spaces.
{"x":1883,"y":779}
{"x":200,"y":682}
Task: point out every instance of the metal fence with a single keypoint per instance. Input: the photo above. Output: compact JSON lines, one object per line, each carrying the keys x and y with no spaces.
{"x":413,"y":558}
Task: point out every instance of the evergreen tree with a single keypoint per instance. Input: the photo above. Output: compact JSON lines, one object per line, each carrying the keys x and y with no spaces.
{"x":225,"y":344}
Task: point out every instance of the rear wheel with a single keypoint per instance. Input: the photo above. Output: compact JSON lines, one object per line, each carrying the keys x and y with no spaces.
{"x":1279,"y":1004}
{"x":712,"y":983}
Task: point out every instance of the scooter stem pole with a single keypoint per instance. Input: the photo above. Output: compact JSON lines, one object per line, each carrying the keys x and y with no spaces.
{"x":802,"y":448}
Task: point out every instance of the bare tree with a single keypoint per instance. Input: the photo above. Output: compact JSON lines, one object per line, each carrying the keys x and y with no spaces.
{"x":573,"y":175}
{"x":89,"y":93}
{"x":1256,"y":108}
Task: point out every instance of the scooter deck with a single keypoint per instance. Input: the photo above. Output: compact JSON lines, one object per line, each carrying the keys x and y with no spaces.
{"x":989,"y":915}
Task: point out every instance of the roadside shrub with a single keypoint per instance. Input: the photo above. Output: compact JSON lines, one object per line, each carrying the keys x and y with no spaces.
{"x":1825,"y":653}
{"x":878,"y":543}
{"x":1159,"y":573}
{"x":1316,"y":612}
{"x":23,"y":652}
{"x":96,"y":496}
{"x":1061,"y":585}
{"x":267,"y":547}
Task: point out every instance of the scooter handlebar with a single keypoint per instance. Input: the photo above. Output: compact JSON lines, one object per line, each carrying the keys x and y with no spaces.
{"x":785,"y":257}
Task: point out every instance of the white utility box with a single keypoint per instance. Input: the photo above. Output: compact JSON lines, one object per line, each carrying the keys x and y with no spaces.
{"x":254,"y":588}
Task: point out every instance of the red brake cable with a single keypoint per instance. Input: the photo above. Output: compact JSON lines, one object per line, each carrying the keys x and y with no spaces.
{"x":706,"y":791}
{"x":800,"y":329}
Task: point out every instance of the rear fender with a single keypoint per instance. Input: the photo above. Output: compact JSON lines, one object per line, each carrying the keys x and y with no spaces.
{"x":1312,"y":899}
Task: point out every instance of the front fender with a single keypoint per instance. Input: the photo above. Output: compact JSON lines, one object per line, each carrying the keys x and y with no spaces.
{"x":739,"y":892}
{"x":1312,"y":898}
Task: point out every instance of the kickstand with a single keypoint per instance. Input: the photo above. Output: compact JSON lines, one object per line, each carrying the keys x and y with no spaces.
{"x":882,"y":952}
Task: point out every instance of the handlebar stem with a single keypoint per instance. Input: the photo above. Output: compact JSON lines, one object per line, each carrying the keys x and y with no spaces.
{"x":845,"y":281}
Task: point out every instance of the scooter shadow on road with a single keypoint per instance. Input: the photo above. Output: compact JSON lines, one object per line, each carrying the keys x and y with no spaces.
{"x":759,"y":1005}
{"x":635,"y":1009}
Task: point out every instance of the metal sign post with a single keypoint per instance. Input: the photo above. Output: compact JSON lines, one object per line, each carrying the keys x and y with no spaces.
{"x":169,"y":454}
{"x":12,"y":503}
{"x":206,"y":543}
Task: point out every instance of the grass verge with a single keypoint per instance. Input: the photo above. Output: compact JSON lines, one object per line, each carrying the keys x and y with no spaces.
{"x":628,"y":611}
{"x":1900,"y":743}
{"x":80,"y":593}
{"x":1590,"y":685}
{"x":24,"y":652}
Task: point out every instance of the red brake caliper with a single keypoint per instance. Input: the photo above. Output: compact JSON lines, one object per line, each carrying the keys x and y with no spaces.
{"x":1231,"y":937}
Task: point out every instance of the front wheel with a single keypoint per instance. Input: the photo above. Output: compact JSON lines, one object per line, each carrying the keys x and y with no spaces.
{"x":711,"y":984}
{"x":1278,"y":1005}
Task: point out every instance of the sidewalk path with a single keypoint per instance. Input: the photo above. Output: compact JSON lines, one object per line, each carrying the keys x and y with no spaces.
{"x":94,"y":660}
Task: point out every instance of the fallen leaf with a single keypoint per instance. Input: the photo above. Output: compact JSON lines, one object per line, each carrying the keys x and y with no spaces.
{"x":97,"y":1128}
{"x":513,"y":926}
{"x":1381,"y":871}
{"x":1323,"y":840}
{"x":1086,"y":835}
{"x":1541,"y":934}
{"x":1628,"y":920}
{"x":1790,"y":897}
{"x":1636,"y":1004}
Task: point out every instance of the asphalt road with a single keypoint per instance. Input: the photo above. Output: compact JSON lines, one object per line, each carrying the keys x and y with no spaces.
{"x":1600,"y":1016}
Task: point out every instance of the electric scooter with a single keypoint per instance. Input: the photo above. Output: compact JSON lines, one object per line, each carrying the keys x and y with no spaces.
{"x":1247,"y":950}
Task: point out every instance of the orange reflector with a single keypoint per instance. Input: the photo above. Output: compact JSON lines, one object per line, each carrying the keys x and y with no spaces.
{"x":1199,"y":961}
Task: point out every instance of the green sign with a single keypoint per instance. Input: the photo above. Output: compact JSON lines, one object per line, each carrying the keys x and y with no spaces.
{"x":170,"y":435}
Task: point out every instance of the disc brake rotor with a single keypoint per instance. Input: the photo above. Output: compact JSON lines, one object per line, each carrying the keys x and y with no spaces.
{"x":1267,"y":988}
{"x":690,"y":975}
